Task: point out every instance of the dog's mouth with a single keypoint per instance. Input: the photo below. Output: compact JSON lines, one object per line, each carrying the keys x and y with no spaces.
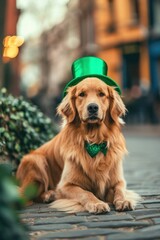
{"x":92,"y":119}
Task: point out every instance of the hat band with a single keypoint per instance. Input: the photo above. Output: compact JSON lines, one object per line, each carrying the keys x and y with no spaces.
{"x":89,"y":67}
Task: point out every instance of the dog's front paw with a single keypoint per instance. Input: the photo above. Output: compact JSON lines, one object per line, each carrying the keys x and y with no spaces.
{"x":98,"y":207}
{"x":124,"y":205}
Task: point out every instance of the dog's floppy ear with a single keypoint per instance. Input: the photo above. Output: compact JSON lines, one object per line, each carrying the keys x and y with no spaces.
{"x":67,"y":108}
{"x":117,"y":107}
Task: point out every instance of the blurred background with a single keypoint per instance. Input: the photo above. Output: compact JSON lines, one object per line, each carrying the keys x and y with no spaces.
{"x":126,"y":34}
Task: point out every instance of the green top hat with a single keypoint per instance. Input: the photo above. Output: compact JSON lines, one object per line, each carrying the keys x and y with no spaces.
{"x":90,"y":67}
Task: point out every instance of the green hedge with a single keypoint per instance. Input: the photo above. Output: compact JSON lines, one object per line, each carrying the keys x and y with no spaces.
{"x":23,"y":127}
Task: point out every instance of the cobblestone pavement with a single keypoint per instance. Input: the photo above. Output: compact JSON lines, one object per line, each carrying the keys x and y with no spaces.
{"x":142,"y":171}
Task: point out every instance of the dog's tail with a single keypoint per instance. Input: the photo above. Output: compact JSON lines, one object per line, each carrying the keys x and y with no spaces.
{"x":133,"y":197}
{"x":67,"y":205}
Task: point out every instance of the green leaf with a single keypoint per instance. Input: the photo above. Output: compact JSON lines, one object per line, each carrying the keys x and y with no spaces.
{"x":2,"y":130}
{"x":31,"y":191}
{"x":10,"y":190}
{"x":7,"y":135}
{"x":14,"y":117}
{"x":17,"y":147}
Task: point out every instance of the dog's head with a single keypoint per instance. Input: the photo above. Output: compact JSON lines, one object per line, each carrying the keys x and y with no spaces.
{"x":92,"y":101}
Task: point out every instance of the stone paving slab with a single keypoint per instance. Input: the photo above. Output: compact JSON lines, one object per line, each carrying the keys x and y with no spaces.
{"x":135,"y":236}
{"x":78,"y":233}
{"x":156,"y":220}
{"x":157,"y":206}
{"x":114,"y":224}
{"x":142,"y":171}
{"x":53,"y":226}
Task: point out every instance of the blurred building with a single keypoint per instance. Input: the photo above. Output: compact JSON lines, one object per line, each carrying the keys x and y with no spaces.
{"x":126,"y":34}
{"x":129,"y":37}
{"x":122,"y":32}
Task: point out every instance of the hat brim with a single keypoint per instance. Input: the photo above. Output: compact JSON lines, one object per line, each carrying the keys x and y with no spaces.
{"x":109,"y":81}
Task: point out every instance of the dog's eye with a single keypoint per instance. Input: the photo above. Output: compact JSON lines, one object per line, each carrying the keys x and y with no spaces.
{"x":101,"y":94}
{"x":82,"y":94}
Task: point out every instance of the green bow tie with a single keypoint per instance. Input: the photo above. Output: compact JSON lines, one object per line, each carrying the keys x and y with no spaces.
{"x":94,"y":149}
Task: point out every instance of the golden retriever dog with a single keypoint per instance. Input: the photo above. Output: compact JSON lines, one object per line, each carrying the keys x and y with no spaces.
{"x":63,"y":168}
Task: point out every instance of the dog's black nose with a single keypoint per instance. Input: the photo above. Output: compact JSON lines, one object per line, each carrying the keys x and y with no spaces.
{"x":92,"y":108}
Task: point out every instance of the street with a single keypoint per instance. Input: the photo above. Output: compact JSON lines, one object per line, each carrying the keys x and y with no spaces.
{"x":142,"y":172}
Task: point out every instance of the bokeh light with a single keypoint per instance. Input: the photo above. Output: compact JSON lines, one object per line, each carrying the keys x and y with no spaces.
{"x":11,"y":46}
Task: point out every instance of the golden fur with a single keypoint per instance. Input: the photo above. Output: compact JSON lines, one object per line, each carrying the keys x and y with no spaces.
{"x":62,"y":168}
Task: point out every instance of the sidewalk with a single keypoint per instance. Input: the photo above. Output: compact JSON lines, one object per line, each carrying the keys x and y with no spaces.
{"x":142,"y":171}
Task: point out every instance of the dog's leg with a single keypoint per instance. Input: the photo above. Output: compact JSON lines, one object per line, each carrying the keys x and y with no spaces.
{"x":33,"y":169}
{"x":87,"y":199}
{"x":124,"y":199}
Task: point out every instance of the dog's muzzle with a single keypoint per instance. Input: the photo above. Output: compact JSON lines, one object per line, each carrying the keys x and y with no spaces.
{"x":92,"y":109}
